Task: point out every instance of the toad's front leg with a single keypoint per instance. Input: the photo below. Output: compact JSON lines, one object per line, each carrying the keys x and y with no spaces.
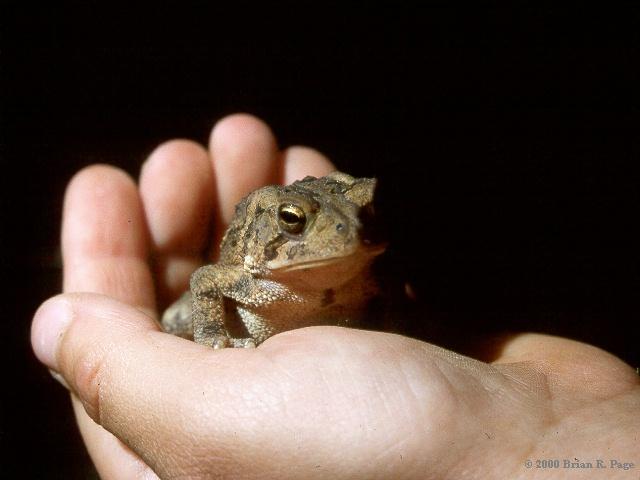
{"x":208,"y":285}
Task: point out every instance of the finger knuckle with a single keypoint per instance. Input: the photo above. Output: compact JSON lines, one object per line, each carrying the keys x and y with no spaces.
{"x":88,"y":374}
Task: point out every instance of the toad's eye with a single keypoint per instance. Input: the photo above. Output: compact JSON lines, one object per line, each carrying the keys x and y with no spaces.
{"x":292,"y":218}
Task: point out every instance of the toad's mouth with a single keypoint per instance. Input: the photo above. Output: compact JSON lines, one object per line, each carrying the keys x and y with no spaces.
{"x":370,"y":251}
{"x":308,"y":265}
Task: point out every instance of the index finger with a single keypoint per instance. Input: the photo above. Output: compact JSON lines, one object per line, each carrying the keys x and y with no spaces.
{"x":104,"y":238}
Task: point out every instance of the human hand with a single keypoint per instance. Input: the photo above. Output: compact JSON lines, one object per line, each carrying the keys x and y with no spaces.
{"x":311,"y":403}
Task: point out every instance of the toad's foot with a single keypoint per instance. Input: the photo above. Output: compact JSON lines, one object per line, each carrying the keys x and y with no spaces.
{"x":218,"y":342}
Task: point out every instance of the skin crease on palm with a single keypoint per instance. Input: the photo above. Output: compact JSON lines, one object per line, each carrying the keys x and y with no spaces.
{"x":320,"y":402}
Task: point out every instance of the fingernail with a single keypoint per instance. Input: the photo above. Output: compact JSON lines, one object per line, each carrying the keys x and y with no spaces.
{"x":49,"y":325}
{"x":59,"y":378}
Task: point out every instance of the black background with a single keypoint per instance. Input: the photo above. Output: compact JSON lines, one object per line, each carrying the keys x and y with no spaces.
{"x":505,"y":141}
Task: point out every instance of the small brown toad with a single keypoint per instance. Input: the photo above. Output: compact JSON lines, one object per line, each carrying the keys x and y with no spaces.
{"x":293,"y":256}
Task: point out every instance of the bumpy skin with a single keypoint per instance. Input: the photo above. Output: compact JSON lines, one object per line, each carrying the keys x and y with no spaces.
{"x":293,"y":256}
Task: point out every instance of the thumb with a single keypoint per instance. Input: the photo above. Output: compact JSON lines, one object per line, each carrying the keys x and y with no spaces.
{"x":132,"y":379}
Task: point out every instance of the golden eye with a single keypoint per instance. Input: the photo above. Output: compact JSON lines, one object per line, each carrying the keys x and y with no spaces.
{"x":292,"y":218}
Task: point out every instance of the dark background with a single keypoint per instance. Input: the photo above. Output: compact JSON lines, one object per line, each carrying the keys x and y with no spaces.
{"x":505,"y":141}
